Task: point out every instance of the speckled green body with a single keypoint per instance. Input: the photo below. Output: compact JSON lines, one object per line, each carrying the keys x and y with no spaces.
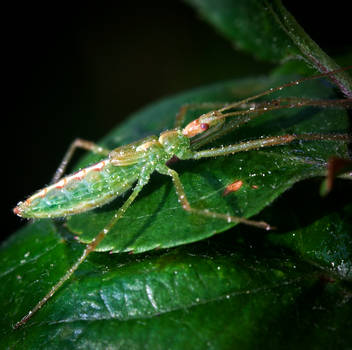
{"x":100,"y":183}
{"x":95,"y":189}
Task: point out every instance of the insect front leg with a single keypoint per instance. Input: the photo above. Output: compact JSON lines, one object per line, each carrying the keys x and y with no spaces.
{"x":143,"y":179}
{"x":77,"y":143}
{"x":267,"y":142}
{"x":181,"y":194}
{"x":231,"y":149}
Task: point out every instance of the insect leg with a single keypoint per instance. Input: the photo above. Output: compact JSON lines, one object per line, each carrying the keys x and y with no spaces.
{"x":89,"y":248}
{"x":181,"y":194}
{"x":267,"y":142}
{"x":77,"y":143}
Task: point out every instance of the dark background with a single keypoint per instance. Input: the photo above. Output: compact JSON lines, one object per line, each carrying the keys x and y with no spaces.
{"x":77,"y":70}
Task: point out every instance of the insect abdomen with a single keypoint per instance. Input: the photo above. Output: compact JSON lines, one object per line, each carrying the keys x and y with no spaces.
{"x":87,"y":189}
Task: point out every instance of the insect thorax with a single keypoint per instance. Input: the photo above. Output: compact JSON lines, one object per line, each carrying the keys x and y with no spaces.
{"x":175,"y":143}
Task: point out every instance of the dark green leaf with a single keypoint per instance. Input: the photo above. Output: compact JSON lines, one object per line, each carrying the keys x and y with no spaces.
{"x":156,"y":219}
{"x":231,"y":291}
{"x":268,"y":31}
{"x":242,"y":289}
{"x":317,"y":230}
{"x":250,"y":25}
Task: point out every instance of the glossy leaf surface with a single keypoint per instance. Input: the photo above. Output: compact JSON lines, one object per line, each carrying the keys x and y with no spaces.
{"x":217,"y":293}
{"x":156,"y":220}
{"x":244,"y":288}
{"x":212,"y":294}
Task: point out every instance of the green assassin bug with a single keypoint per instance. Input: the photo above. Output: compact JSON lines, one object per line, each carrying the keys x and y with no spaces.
{"x":132,"y":165}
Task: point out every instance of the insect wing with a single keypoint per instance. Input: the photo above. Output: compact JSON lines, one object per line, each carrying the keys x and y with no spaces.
{"x":87,"y":189}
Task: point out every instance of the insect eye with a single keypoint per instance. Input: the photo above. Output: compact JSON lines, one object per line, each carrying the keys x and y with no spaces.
{"x":204,"y":126}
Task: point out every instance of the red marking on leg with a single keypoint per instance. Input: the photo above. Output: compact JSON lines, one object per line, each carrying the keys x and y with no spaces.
{"x":186,"y":206}
{"x":255,"y":187}
{"x":288,"y":138}
{"x":235,"y":186}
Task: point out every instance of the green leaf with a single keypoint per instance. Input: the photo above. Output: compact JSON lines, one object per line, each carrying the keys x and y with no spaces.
{"x":244,"y":288}
{"x":156,"y":220}
{"x":250,"y":25}
{"x":268,"y":31}
{"x":234,"y":290}
{"x":318,"y":230}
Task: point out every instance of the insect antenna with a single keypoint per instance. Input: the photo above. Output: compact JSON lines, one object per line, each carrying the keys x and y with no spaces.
{"x":281,"y":87}
{"x":253,"y":111}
